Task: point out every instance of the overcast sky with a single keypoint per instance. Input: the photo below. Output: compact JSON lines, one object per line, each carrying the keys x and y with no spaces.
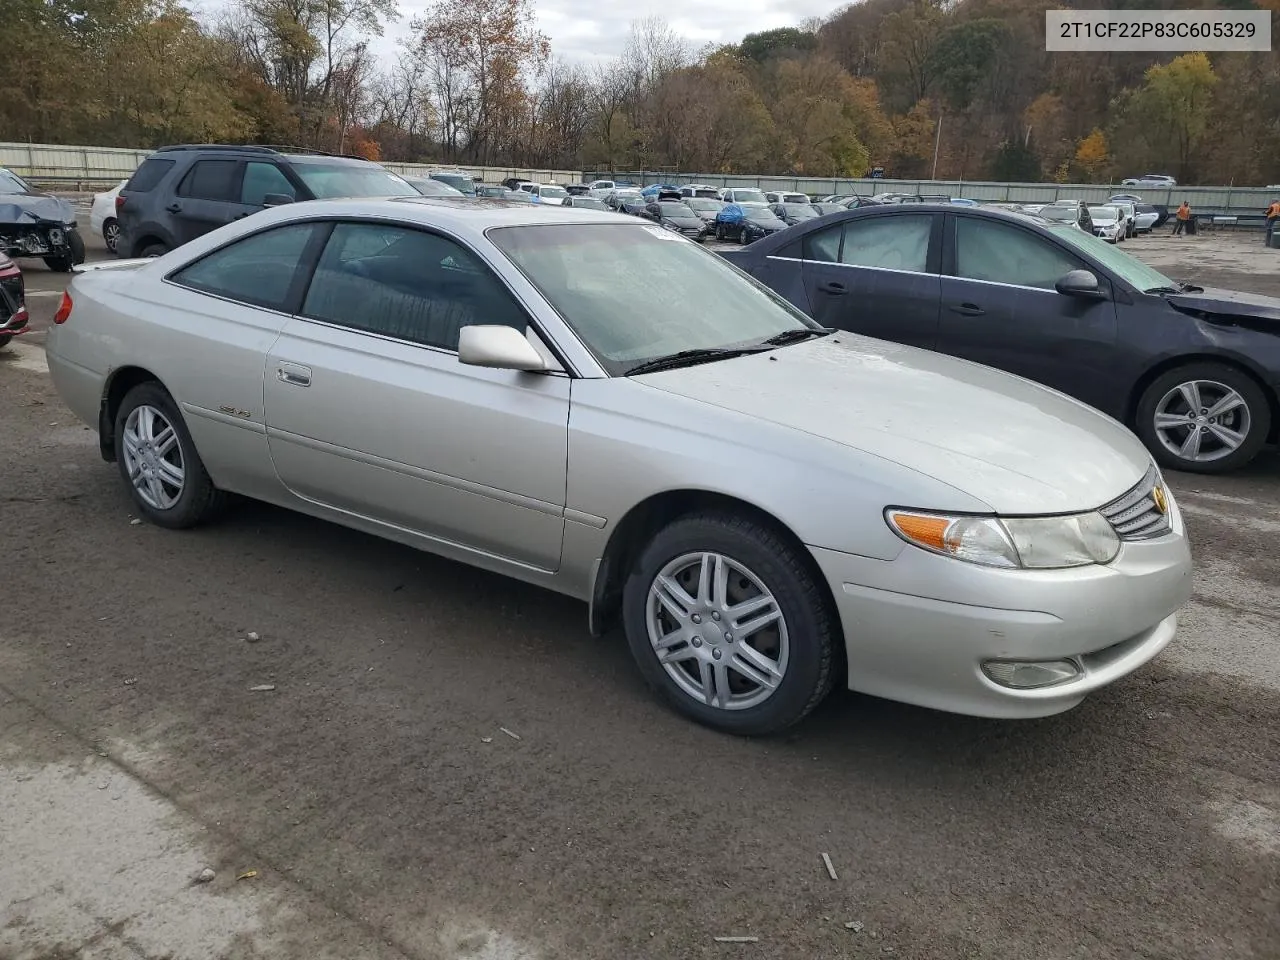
{"x":584,"y":30}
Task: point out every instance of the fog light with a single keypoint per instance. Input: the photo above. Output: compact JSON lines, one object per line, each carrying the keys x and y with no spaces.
{"x":1027,"y":675}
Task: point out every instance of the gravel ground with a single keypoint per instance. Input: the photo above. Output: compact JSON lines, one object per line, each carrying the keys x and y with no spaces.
{"x":383,"y":812}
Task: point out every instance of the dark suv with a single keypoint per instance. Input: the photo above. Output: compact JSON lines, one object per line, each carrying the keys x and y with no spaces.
{"x":182,"y":192}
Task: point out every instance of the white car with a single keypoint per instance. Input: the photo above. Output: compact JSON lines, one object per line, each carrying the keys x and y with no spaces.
{"x":548,"y":193}
{"x":1149,"y":180}
{"x":1107,"y":223}
{"x":601,"y":188}
{"x":102,"y":216}
{"x":1129,"y":215}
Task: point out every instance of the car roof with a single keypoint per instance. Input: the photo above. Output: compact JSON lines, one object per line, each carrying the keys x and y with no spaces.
{"x":460,"y":215}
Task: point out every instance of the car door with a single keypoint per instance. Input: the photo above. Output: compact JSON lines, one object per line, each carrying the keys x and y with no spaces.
{"x":234,"y":302}
{"x":1000,"y":307}
{"x":369,"y":411}
{"x":208,"y":196}
{"x":876,"y":275}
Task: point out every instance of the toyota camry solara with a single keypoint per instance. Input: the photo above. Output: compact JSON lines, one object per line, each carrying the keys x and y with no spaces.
{"x":767,"y":507}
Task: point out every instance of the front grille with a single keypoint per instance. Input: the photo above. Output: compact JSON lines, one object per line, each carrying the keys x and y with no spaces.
{"x":1135,"y":515}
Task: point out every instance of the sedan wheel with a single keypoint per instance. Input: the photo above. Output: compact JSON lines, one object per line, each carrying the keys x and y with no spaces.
{"x":111,"y":235}
{"x":159,"y":462}
{"x":1204,"y":418}
{"x":726,"y":620}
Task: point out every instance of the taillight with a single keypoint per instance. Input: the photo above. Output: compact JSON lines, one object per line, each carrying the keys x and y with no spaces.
{"x":64,"y":309}
{"x":120,"y":202}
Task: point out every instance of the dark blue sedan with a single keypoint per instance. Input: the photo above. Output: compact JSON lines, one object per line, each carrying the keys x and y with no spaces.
{"x":1194,"y":372}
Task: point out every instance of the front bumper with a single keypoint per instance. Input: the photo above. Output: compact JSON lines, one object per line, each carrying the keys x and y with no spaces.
{"x":918,"y":628}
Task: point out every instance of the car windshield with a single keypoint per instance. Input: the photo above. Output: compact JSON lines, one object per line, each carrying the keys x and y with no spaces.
{"x":1065,"y":214}
{"x":627,"y":194}
{"x":702,"y":203}
{"x":1128,"y":268}
{"x":459,"y":182}
{"x":589,"y":203}
{"x":672,"y":208}
{"x":12,"y":183}
{"x":748,"y":196}
{"x":554,"y":193}
{"x":1104,"y":214}
{"x":802,"y":210}
{"x":599,"y":278}
{"x":327,"y":180}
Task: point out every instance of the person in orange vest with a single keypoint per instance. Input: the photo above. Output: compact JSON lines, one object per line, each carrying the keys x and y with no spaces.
{"x":1183,"y":216}
{"x":1273,"y":214}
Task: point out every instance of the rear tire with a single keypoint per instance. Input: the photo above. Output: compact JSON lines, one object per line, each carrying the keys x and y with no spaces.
{"x":153,"y":250}
{"x":111,"y":235}
{"x":794,"y":652}
{"x":1246,"y":423}
{"x":158,"y":441}
{"x":4,"y":339}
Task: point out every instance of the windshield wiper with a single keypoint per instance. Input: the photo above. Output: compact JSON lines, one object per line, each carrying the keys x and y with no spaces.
{"x":1190,"y":288}
{"x":688,"y":358}
{"x":795,"y":336}
{"x":1165,"y":289}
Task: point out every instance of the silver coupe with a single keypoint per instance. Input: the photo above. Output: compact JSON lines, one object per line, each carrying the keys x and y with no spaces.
{"x":607,"y":409}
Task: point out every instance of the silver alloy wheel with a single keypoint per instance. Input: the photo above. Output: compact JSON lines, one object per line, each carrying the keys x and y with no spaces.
{"x":111,"y":235}
{"x":1202,"y":420}
{"x":153,"y":457}
{"x":717,"y":630}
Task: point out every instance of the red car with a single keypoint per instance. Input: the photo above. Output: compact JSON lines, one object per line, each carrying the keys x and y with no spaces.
{"x":13,"y":311}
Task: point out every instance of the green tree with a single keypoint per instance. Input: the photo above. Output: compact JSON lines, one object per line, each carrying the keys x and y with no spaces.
{"x":1172,"y":109}
{"x":776,"y":44}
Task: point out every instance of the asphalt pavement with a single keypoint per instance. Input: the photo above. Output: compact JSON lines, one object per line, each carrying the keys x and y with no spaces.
{"x":448,"y":766}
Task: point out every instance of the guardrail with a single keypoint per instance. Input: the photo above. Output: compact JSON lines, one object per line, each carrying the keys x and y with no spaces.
{"x":83,"y":168}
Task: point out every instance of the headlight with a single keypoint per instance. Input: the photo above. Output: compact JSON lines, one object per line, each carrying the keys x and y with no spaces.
{"x":1031,"y":543}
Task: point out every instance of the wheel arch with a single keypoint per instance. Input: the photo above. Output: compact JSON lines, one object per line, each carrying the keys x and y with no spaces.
{"x":638,"y":525}
{"x":1157,"y":370}
{"x":118,"y":384}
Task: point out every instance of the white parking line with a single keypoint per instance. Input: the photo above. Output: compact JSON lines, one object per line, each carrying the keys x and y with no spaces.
{"x":42,"y":293}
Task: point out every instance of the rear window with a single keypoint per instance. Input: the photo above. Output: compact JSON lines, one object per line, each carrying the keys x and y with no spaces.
{"x":151,"y":172}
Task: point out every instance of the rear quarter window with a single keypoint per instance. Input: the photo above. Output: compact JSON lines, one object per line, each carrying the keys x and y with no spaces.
{"x":151,"y":172}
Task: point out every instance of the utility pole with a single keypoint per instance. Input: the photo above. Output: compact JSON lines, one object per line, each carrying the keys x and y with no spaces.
{"x":936,"y":144}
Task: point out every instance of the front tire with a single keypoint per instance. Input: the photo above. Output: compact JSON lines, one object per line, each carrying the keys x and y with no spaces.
{"x":159,"y":463}
{"x":1204,"y":418}
{"x":153,"y":250}
{"x":726,"y":621}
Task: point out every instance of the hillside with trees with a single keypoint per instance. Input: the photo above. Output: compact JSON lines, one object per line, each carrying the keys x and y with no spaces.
{"x":878,"y":83}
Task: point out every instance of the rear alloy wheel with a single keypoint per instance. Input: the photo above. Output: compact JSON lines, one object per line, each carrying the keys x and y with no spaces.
{"x":1204,"y":418}
{"x":725,"y":619}
{"x":159,"y":462}
{"x":111,"y":235}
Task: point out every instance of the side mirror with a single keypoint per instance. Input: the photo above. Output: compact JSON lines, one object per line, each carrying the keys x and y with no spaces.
{"x":500,"y":347}
{"x":1080,"y":283}
{"x":276,"y":199}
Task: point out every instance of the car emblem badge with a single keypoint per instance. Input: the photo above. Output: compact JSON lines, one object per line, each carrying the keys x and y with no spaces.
{"x":1157,"y":494}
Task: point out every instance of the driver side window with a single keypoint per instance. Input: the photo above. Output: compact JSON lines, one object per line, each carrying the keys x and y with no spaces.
{"x":1001,"y":253}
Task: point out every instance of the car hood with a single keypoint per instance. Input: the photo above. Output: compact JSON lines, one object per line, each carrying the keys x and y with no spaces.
{"x":1229,"y":304}
{"x":1012,"y":444}
{"x":33,"y":207}
{"x":692,"y":223}
{"x":766,"y":224}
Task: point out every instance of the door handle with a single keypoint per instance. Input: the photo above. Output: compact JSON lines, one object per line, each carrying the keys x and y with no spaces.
{"x":174,"y":208}
{"x":294,"y":374}
{"x":834,"y":287}
{"x":967,"y":309}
